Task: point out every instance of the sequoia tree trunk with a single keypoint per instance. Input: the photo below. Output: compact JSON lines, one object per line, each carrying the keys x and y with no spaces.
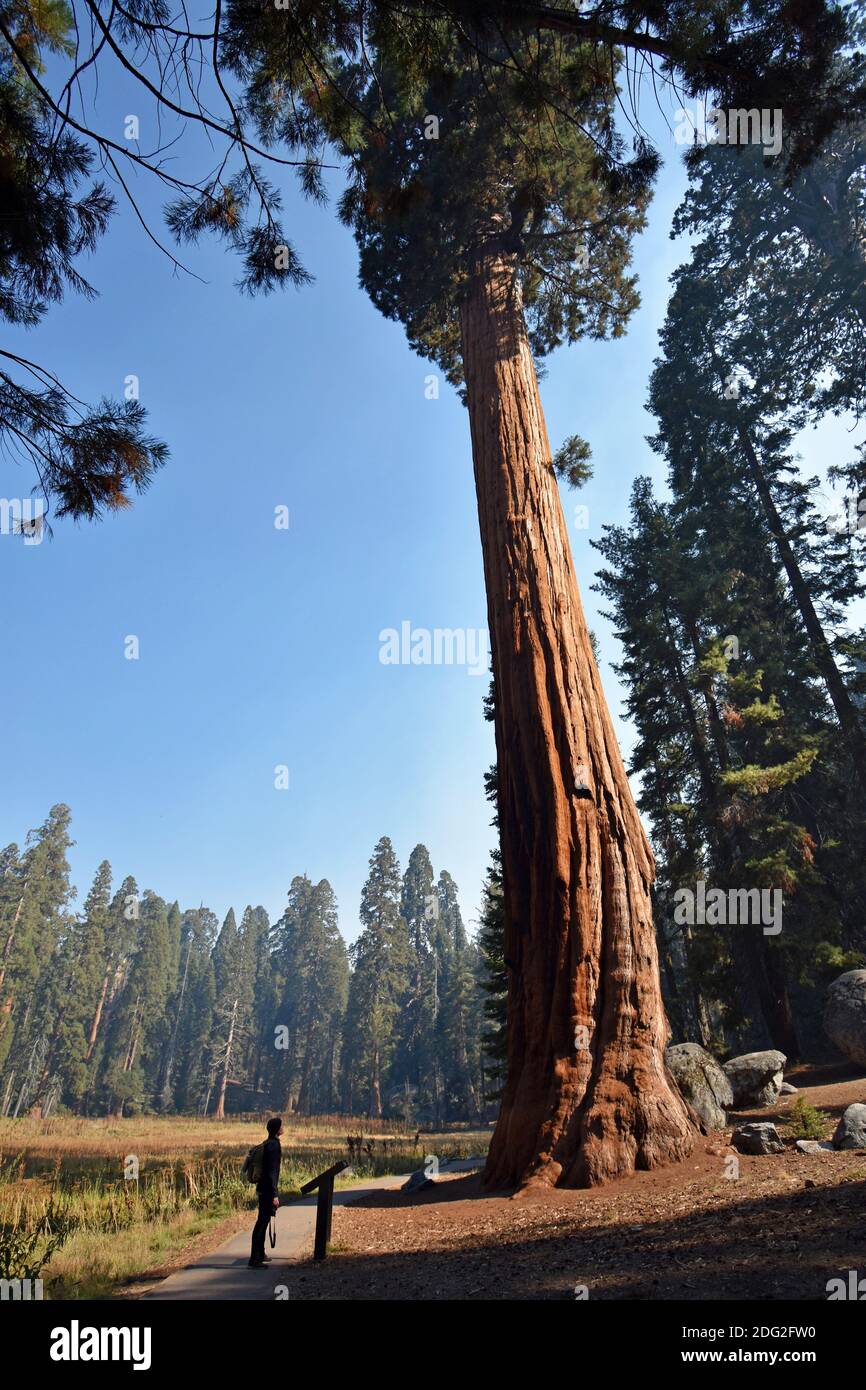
{"x":219,"y":1113}
{"x":587,"y":1095}
{"x":374,"y":1108}
{"x":94,"y":1027}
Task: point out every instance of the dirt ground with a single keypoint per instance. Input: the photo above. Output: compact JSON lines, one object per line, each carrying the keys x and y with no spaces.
{"x":779,"y":1230}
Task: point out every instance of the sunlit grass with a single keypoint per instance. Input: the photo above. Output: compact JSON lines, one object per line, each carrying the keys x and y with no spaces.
{"x":63,"y":1178}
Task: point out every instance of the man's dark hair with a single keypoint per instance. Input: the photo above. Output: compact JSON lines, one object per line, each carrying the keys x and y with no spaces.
{"x":275,"y":1124}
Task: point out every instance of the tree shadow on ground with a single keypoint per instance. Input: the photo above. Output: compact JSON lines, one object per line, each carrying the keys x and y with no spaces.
{"x":784,"y":1246}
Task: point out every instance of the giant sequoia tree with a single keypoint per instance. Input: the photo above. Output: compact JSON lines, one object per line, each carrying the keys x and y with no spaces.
{"x":494,"y":217}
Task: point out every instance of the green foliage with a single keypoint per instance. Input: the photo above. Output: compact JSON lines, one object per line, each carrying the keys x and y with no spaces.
{"x":492,"y":970}
{"x":743,"y":775}
{"x":450,"y":146}
{"x":571,"y":461}
{"x":757,"y":781}
{"x":735,"y":601}
{"x":25,"y":1248}
{"x":717,"y":594}
{"x":89,"y":460}
{"x":135,"y":1007}
{"x":806,"y":1122}
{"x":309,"y":998}
{"x":493,"y":979}
{"x":380,"y":962}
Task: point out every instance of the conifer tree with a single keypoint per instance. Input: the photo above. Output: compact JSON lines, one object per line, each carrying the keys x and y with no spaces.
{"x":414,"y":1064}
{"x":493,"y":980}
{"x":264,"y":1000}
{"x":12,"y":890}
{"x":492,"y":973}
{"x":41,"y":893}
{"x":75,"y":979}
{"x":737,"y":749}
{"x":459,"y":1039}
{"x":289,"y":947}
{"x":716,"y":395}
{"x":450,"y":923}
{"x":380,"y":965}
{"x":131,"y":1060}
{"x":311,"y":982}
{"x":325,"y":995}
{"x":195,"y":1011}
{"x":119,"y":947}
{"x":234,"y":975}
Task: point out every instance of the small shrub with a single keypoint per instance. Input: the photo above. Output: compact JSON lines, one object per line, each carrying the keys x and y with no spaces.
{"x":805,"y":1122}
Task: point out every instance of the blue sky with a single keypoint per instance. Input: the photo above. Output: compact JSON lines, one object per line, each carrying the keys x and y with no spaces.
{"x":260,"y":646}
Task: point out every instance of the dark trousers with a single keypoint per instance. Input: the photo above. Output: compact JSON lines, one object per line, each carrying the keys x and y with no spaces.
{"x":266,"y":1211}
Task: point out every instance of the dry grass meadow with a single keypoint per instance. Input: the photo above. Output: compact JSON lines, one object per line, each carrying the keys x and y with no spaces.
{"x":69,"y":1216}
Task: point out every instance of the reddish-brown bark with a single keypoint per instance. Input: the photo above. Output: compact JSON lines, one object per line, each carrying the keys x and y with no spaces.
{"x":577,"y":867}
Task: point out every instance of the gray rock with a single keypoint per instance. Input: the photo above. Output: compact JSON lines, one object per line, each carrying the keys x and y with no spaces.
{"x":786,"y":1089}
{"x":702,"y":1082}
{"x":758,"y":1138}
{"x":813,"y":1146}
{"x":845,"y":1015}
{"x":417,"y":1181}
{"x":851,"y":1129}
{"x":756,"y":1077}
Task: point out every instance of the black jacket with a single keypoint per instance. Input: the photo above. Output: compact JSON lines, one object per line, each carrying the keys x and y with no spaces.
{"x":269,"y":1182}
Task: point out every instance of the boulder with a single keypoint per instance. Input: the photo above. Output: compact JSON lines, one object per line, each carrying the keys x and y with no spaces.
{"x":845,"y":1015}
{"x":813,"y":1146}
{"x":756,"y":1077}
{"x":757,"y":1138}
{"x":702,"y":1082}
{"x":851,"y":1129}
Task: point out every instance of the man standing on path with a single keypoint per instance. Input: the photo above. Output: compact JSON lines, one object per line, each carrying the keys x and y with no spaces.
{"x":267,"y":1188}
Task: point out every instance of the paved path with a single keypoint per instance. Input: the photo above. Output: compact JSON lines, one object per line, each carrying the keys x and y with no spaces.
{"x":223,"y":1274}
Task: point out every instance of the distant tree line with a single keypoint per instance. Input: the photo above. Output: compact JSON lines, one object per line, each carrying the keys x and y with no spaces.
{"x":134,"y":1004}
